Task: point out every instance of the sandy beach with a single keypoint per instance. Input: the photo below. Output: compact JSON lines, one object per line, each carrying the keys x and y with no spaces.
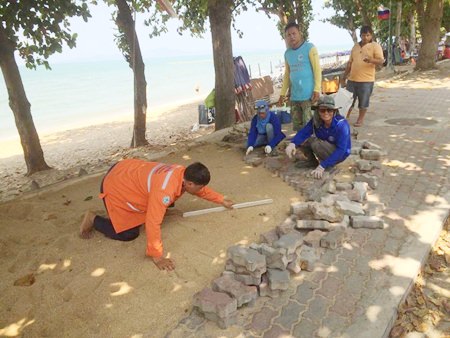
{"x":92,"y":285}
{"x":95,"y":147}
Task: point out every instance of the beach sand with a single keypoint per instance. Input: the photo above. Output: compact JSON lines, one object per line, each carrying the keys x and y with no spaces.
{"x":95,"y":147}
{"x":105,"y":288}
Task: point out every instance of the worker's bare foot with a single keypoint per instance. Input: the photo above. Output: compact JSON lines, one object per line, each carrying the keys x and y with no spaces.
{"x":87,"y":225}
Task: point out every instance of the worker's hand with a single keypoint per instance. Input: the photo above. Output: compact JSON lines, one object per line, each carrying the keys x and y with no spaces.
{"x":164,"y":263}
{"x":281,"y":100}
{"x":291,"y":150}
{"x":228,"y":204}
{"x":268,"y":150}
{"x":249,"y":150}
{"x":318,"y":172}
{"x":315,"y":97}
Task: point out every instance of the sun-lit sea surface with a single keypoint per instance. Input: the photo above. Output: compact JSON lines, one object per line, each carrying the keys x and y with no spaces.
{"x":79,"y":94}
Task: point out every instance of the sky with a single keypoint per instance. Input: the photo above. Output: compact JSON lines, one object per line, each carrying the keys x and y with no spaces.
{"x":95,"y":38}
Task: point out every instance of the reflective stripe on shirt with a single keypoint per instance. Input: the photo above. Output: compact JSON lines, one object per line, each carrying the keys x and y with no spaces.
{"x":149,"y":178}
{"x":133,"y":207}
{"x":167,"y":178}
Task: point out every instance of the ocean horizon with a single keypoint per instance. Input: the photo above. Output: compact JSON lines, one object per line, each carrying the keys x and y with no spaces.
{"x":88,"y":92}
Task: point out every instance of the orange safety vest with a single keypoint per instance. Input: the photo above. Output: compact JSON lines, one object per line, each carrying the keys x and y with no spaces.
{"x":137,"y":192}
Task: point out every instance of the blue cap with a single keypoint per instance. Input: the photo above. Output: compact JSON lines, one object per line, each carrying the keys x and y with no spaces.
{"x":261,"y":105}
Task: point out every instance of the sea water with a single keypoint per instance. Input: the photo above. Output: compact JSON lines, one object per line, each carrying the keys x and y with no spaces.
{"x":78,"y":94}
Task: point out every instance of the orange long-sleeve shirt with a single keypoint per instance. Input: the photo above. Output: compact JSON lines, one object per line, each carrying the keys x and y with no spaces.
{"x":138,"y":192}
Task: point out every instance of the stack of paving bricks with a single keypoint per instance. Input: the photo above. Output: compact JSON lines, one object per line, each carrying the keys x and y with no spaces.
{"x":297,"y":243}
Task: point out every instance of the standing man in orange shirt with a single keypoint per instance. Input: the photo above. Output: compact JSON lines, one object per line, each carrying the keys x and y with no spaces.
{"x":365,"y":56}
{"x":137,"y":192}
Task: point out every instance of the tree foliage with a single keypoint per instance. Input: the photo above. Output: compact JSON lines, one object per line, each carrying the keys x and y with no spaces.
{"x":287,"y":11}
{"x":38,"y":29}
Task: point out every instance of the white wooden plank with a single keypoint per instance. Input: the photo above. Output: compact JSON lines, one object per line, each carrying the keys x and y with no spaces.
{"x":235,"y":206}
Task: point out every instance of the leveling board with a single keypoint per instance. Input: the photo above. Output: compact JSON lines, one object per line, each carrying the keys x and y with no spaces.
{"x":235,"y":206}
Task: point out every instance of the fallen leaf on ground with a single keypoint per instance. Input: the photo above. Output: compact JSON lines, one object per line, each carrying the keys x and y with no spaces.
{"x":26,"y":280}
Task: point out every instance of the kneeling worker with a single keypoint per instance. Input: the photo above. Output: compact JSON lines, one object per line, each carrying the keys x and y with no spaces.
{"x":137,"y":192}
{"x":326,"y":135}
{"x":265,"y":129}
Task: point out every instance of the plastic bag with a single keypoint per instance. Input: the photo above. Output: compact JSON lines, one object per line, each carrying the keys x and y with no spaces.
{"x":343,"y":99}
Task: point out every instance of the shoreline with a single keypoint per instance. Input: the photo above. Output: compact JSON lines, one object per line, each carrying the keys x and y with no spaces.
{"x":11,"y":146}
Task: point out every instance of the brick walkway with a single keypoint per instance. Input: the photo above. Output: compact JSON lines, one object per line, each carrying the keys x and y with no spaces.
{"x":356,"y":289}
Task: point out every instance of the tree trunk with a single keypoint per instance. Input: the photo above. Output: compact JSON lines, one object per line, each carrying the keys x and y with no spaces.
{"x":219,"y":12}
{"x":362,"y":9}
{"x":354,"y":36}
{"x":412,"y":32}
{"x":398,"y":21}
{"x":430,"y":35}
{"x":32,"y":150}
{"x":125,"y":23}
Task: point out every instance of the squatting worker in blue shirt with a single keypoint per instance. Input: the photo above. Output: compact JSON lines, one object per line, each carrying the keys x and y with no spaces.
{"x":265,"y":129}
{"x":326,"y":135}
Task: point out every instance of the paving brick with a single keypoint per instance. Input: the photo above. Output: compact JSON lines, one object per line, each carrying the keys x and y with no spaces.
{"x":333,"y":239}
{"x":275,"y":257}
{"x":265,"y":290}
{"x":304,"y":292}
{"x":331,"y":199}
{"x":224,"y":322}
{"x":249,"y":258}
{"x":350,"y":208}
{"x":248,"y":279}
{"x":269,"y":237}
{"x":322,"y":212}
{"x":359,"y":192}
{"x":373,"y":208}
{"x":370,"y":154}
{"x":194,"y":320}
{"x":211,"y":301}
{"x":330,"y":287}
{"x":371,"y":180}
{"x":301,"y":209}
{"x":290,"y":242}
{"x":276,"y":332}
{"x":287,"y":226}
{"x":313,"y":238}
{"x":308,"y":257}
{"x":344,"y":305}
{"x":242,"y":293}
{"x":261,"y":321}
{"x":238,"y":269}
{"x":278,"y":279}
{"x":370,"y":145}
{"x":317,"y":309}
{"x":290,"y":315}
{"x":370,"y":222}
{"x":343,"y":186}
{"x":305,"y":328}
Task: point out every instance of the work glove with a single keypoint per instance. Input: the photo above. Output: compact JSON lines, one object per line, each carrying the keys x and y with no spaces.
{"x":291,"y":150}
{"x":268,"y":150}
{"x":249,"y":150}
{"x":318,"y":172}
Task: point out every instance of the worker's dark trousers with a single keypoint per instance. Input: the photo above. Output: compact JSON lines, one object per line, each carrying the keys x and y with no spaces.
{"x":105,"y":226}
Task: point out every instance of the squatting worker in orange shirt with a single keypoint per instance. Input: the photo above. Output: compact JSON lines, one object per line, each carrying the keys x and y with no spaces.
{"x":137,"y":192}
